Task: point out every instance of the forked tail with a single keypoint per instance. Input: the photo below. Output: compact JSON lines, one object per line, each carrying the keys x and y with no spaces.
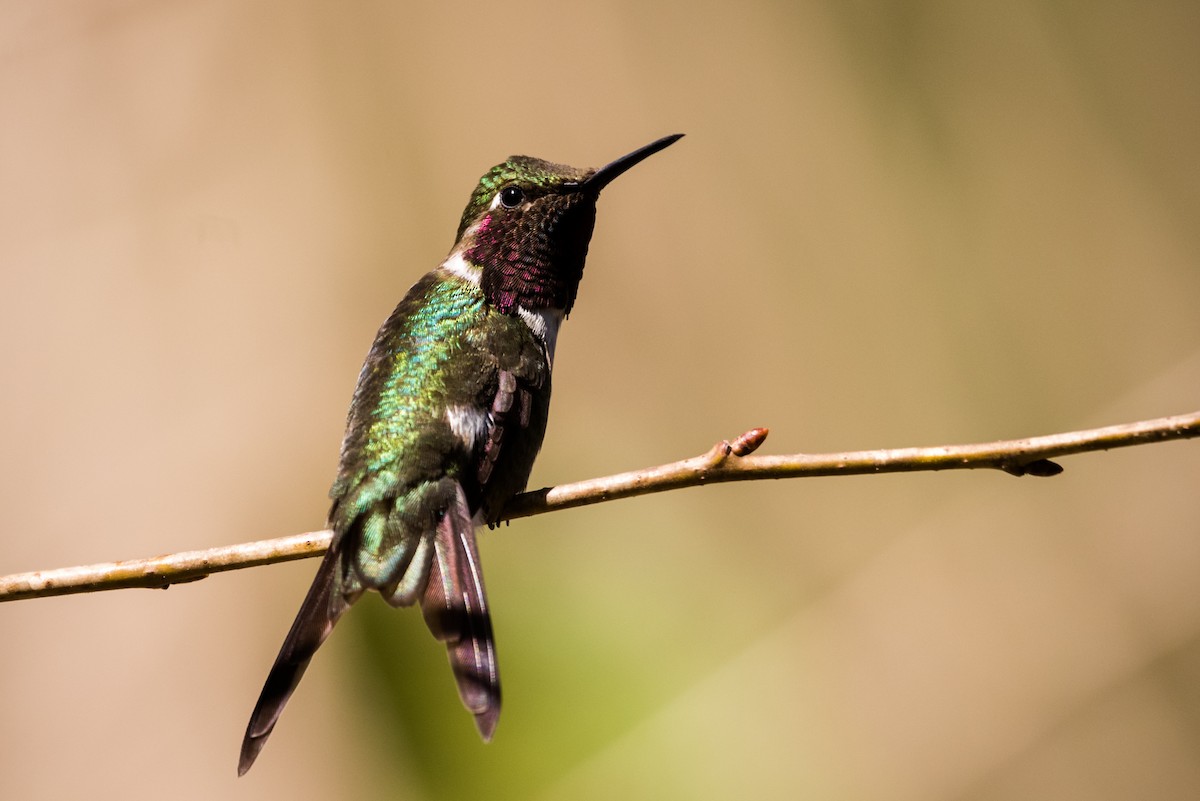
{"x":456,"y":610}
{"x":320,"y":610}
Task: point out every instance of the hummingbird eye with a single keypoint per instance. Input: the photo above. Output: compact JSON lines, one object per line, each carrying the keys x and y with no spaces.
{"x":511,"y":197}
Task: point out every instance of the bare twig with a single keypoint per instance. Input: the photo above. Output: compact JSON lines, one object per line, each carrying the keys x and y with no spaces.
{"x":726,"y":461}
{"x":160,"y":572}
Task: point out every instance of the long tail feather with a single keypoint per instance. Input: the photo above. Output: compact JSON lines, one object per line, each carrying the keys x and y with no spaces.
{"x":455,"y":609}
{"x":320,"y":610}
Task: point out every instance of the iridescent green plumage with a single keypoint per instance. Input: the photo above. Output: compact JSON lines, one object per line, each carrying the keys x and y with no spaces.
{"x":442,"y":356}
{"x":446,"y":420}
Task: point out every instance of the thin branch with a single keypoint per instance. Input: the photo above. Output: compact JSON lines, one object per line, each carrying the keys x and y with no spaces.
{"x":726,"y":461}
{"x":160,"y":572}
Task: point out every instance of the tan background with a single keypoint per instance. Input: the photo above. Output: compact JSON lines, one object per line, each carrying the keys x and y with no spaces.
{"x":891,"y":223}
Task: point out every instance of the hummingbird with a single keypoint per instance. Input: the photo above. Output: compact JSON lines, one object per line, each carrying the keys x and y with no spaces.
{"x":445,"y":422}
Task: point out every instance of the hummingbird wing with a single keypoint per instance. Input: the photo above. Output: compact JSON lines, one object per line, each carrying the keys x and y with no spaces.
{"x":321,"y":609}
{"x":455,"y":609}
{"x":516,"y":423}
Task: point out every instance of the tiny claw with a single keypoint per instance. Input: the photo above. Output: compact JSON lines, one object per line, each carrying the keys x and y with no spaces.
{"x":748,"y":443}
{"x":1042,"y":468}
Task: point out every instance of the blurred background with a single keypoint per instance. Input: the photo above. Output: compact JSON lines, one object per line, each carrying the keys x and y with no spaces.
{"x":890,"y":224}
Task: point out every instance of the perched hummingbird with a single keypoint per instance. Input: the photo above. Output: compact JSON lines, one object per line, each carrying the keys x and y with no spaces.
{"x":446,"y":419}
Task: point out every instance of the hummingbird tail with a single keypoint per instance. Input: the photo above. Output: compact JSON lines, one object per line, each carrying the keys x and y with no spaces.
{"x":455,"y":609}
{"x":321,"y":609}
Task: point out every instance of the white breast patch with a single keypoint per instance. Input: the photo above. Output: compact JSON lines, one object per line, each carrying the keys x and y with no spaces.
{"x":544,"y":324}
{"x":469,"y":424}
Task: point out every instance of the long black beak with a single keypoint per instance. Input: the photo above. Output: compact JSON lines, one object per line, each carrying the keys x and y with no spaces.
{"x":604,"y":176}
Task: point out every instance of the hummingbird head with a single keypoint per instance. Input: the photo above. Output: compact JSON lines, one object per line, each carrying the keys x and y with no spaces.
{"x":528,"y":225}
